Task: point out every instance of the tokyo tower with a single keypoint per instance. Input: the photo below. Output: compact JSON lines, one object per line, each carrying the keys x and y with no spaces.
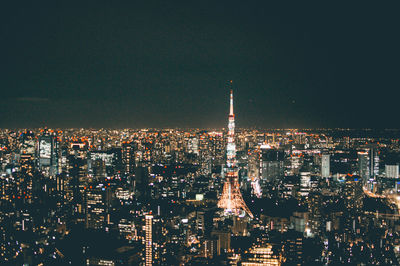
{"x":231,"y":199}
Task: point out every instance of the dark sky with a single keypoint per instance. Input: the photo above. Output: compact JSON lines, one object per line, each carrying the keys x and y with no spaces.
{"x":166,"y":64}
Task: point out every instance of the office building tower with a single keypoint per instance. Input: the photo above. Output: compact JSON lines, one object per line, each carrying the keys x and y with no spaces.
{"x":48,"y":153}
{"x":128,"y":159}
{"x":200,"y":223}
{"x":209,"y":247}
{"x":141,"y":182}
{"x":353,"y":193}
{"x":305,"y":183}
{"x":102,"y":163}
{"x":60,"y":184}
{"x":271,"y":164}
{"x":363,"y":165}
{"x":149,"y":240}
{"x":26,"y":182}
{"x":224,"y":240}
{"x":193,"y":146}
{"x":27,"y":143}
{"x":95,"y":208}
{"x":293,"y":248}
{"x":392,"y":171}
{"x":76,"y":172}
{"x":325,"y":166}
{"x":373,"y":162}
{"x":45,"y":147}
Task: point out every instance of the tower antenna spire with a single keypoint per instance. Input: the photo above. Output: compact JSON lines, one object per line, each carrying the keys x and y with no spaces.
{"x":231,"y":100}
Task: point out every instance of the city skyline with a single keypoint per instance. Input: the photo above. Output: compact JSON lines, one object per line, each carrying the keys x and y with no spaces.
{"x":127,"y":65}
{"x":199,"y":197}
{"x":120,"y":144}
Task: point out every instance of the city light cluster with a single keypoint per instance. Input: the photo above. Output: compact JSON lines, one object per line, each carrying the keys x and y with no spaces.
{"x":231,"y":196}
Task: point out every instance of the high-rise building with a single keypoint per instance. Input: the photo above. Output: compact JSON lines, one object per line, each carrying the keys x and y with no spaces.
{"x":128,"y":160}
{"x":102,"y":163}
{"x":353,"y":193}
{"x":373,"y":162}
{"x":293,"y":248}
{"x":25,"y":181}
{"x":305,"y":183}
{"x":149,"y":240}
{"x":48,"y":153}
{"x":315,"y":208}
{"x":271,"y":164}
{"x":224,"y":240}
{"x":95,"y":208}
{"x":76,"y":172}
{"x":231,"y":199}
{"x":325,"y":166}
{"x":392,"y":171}
{"x":141,"y":182}
{"x":206,"y":165}
{"x":60,"y":184}
{"x":27,"y":143}
{"x":200,"y":223}
{"x":193,"y":146}
{"x":45,"y":148}
{"x":209,"y":247}
{"x":363,"y":165}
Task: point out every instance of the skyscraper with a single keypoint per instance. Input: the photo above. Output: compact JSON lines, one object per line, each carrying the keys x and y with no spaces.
{"x":392,"y":171}
{"x":45,"y":150}
{"x":149,"y":240}
{"x":363,"y":162}
{"x":128,"y":160}
{"x":353,"y":193}
{"x":48,"y":153}
{"x":193,"y":146}
{"x":325,"y":166}
{"x":271,"y":164}
{"x":374,"y":162}
{"x":95,"y":208}
{"x":231,"y":199}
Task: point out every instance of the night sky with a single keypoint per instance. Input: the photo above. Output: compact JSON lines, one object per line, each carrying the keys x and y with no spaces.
{"x":167,"y":64}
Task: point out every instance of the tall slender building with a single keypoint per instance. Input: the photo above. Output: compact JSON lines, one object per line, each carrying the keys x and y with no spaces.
{"x":363,"y":165}
{"x":325,"y":166}
{"x":231,"y":198}
{"x":149,"y":240}
{"x":373,"y":162}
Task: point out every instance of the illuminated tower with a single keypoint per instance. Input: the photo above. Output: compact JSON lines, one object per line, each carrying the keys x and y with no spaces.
{"x":231,"y":199}
{"x":149,"y":240}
